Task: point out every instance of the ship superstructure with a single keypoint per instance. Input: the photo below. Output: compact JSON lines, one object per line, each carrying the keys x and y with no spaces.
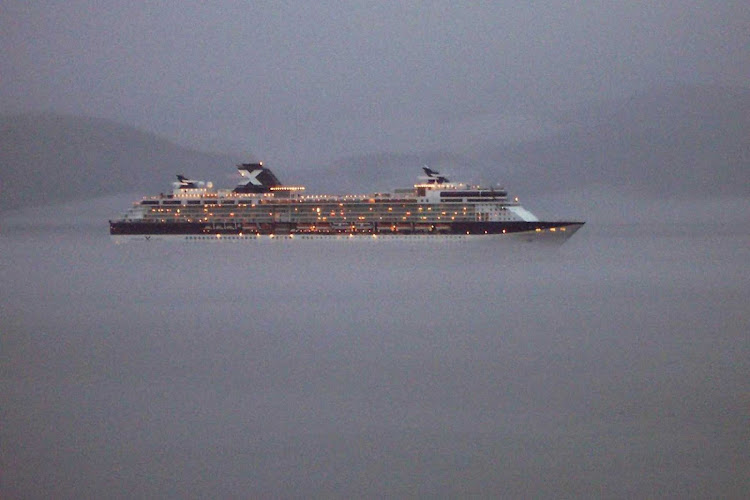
{"x":261,"y":207}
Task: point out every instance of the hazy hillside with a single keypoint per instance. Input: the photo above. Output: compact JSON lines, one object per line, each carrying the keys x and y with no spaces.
{"x":683,"y":141}
{"x":384,"y":171}
{"x":52,"y":158}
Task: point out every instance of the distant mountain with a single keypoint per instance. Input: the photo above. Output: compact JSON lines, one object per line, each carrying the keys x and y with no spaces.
{"x":384,"y":171}
{"x":685,"y":142}
{"x":50,"y":158}
{"x":682,"y":141}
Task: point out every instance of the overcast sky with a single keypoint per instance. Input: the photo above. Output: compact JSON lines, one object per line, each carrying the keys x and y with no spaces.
{"x":307,"y":82}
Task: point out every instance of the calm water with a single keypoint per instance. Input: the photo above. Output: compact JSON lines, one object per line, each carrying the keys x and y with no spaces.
{"x":615,"y":366}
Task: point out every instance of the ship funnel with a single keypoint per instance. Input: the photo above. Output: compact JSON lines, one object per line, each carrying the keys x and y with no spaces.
{"x":255,"y":179}
{"x":433,"y":176}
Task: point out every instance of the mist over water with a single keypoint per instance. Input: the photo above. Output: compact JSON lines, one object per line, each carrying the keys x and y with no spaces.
{"x":615,"y":365}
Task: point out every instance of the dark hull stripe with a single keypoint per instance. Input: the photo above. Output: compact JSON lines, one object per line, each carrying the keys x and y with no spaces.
{"x":197,"y":228}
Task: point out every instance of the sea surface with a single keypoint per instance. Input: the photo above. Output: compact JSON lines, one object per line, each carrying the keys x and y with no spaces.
{"x":614,"y":366}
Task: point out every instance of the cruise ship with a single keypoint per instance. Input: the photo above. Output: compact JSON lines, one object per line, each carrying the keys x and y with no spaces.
{"x":261,"y":208}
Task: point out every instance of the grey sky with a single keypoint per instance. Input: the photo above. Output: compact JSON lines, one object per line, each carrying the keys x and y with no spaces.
{"x":306,"y":82}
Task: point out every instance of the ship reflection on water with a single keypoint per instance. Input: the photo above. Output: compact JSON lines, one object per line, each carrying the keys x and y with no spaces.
{"x":615,"y":364}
